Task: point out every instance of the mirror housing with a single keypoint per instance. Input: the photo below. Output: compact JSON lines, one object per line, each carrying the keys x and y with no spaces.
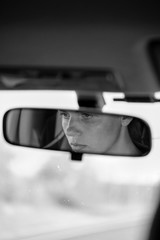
{"x":77,"y":132}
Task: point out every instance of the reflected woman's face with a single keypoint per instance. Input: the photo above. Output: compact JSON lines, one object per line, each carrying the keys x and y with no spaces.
{"x":90,"y":132}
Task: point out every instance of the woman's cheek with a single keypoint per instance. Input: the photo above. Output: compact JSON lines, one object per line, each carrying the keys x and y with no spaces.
{"x":64,"y":125}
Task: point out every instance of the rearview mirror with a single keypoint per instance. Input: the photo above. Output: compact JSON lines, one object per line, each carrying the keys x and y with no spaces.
{"x":77,"y":131}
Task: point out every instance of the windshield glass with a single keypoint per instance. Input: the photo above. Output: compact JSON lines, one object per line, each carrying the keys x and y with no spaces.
{"x":45,"y":192}
{"x":42,"y":193}
{"x":61,"y":78}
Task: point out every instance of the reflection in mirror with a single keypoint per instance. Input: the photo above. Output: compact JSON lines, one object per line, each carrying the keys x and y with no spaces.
{"x":77,"y":131}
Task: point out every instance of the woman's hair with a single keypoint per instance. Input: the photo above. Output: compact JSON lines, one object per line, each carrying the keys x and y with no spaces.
{"x":140,"y":135}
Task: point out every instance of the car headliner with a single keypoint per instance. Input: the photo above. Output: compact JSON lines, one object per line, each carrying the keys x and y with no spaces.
{"x":73,"y":34}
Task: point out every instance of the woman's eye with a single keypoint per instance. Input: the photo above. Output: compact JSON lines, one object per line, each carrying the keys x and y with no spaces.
{"x":86,"y":116}
{"x":65,"y":114}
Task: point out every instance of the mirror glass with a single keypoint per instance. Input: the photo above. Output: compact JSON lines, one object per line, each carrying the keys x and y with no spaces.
{"x":77,"y":131}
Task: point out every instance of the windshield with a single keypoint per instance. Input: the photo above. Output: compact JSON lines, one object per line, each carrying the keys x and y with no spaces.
{"x":45,"y":192}
{"x":61,"y":78}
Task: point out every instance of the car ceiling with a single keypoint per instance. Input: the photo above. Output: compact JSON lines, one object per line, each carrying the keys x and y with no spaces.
{"x":74,"y":34}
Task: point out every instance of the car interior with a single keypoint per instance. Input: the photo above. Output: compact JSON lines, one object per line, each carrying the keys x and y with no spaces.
{"x":86,"y":48}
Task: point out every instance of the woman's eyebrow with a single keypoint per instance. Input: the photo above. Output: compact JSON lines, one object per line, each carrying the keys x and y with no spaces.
{"x":62,"y":111}
{"x":90,"y":113}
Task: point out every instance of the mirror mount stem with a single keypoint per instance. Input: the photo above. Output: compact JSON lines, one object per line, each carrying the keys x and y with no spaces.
{"x":75,"y":156}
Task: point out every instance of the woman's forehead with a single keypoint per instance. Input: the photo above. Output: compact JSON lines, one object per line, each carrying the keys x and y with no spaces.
{"x":76,"y":113}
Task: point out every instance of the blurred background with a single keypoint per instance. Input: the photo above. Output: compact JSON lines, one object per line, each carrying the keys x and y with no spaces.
{"x":44,"y":191}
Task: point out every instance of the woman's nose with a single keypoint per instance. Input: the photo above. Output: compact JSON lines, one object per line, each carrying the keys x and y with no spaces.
{"x":73,"y":127}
